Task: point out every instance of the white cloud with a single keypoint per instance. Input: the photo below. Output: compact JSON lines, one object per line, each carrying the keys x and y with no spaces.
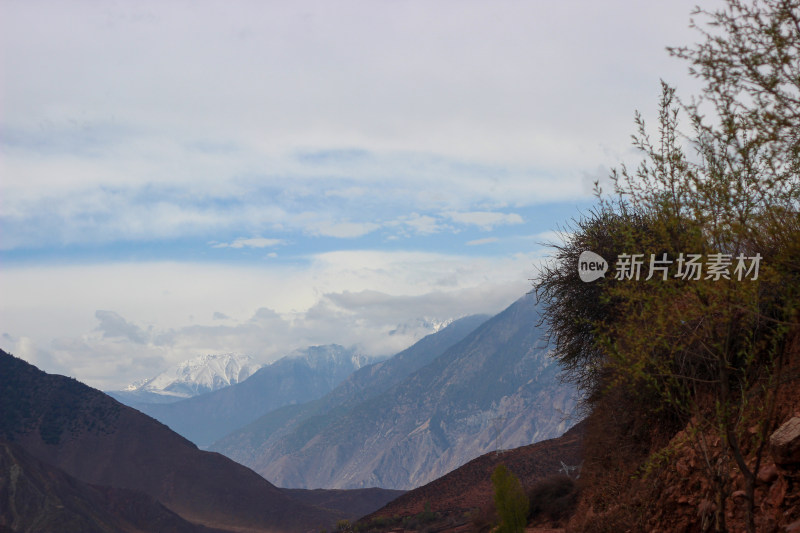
{"x":113,"y":325}
{"x":512,"y":102}
{"x":421,"y":224}
{"x":485,"y":220}
{"x":478,"y":242}
{"x":274,"y":118}
{"x":347,"y":192}
{"x":253,"y":242}
{"x":82,"y":319}
{"x":552,"y":237}
{"x":343,"y":230}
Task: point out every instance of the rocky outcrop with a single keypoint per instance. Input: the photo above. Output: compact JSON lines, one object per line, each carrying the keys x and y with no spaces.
{"x":785,"y":442}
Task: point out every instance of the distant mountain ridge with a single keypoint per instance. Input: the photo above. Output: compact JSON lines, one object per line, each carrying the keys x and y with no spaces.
{"x":304,"y":375}
{"x":368,"y":382}
{"x":203,"y":374}
{"x":495,"y":387}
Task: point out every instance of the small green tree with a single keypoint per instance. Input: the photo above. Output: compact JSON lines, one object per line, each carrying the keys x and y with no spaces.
{"x":510,"y":501}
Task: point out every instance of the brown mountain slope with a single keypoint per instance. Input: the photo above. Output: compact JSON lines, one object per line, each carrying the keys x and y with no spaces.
{"x":36,"y":497}
{"x":100,"y":441}
{"x":470,"y":486}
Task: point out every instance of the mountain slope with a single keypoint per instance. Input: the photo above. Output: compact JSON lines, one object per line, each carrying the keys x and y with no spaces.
{"x":497,"y":385}
{"x":299,"y":377}
{"x":200,"y":375}
{"x":365,"y":383}
{"x":37,"y":497}
{"x":470,"y":486}
{"x":376,"y":379}
{"x":99,"y":441}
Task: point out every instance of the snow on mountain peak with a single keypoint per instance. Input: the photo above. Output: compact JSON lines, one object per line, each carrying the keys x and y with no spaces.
{"x":421,"y":326}
{"x":202,"y":374}
{"x":331,"y":355}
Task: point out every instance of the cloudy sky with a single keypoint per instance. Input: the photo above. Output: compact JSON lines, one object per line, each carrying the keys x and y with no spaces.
{"x":181,"y":178}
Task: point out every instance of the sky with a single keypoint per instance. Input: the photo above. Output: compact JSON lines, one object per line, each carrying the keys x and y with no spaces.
{"x":180,"y":178}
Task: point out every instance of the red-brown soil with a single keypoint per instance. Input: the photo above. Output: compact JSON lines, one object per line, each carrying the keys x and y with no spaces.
{"x":677,"y":494}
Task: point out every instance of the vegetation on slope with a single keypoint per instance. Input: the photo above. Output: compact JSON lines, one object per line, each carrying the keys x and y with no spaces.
{"x":662,"y":349}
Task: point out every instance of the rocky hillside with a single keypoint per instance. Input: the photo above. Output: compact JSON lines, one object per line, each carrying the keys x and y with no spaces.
{"x":496,"y":387}
{"x":666,"y":485}
{"x":366,"y":383}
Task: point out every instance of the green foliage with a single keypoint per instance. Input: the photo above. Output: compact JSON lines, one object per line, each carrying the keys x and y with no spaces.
{"x":574,"y":310}
{"x":749,"y":60}
{"x":510,"y":501}
{"x":709,"y":350}
{"x":426,"y":516}
{"x":660,"y":459}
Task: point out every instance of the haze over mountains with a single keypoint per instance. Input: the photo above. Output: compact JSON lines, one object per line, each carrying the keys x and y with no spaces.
{"x":323,"y":417}
{"x":365,"y":383}
{"x":301,"y":376}
{"x":420,"y":414}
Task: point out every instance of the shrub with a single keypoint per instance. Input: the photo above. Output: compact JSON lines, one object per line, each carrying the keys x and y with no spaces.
{"x":554,"y":497}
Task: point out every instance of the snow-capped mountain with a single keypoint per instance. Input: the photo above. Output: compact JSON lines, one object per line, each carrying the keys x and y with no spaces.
{"x":419,"y":415}
{"x":302,"y":376}
{"x":332,"y":357}
{"x":421,"y":326}
{"x":197,"y":376}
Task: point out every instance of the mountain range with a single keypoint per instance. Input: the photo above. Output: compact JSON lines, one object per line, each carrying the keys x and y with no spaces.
{"x":200,"y":375}
{"x":299,"y":377}
{"x":470,"y":388}
{"x":72,"y":455}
